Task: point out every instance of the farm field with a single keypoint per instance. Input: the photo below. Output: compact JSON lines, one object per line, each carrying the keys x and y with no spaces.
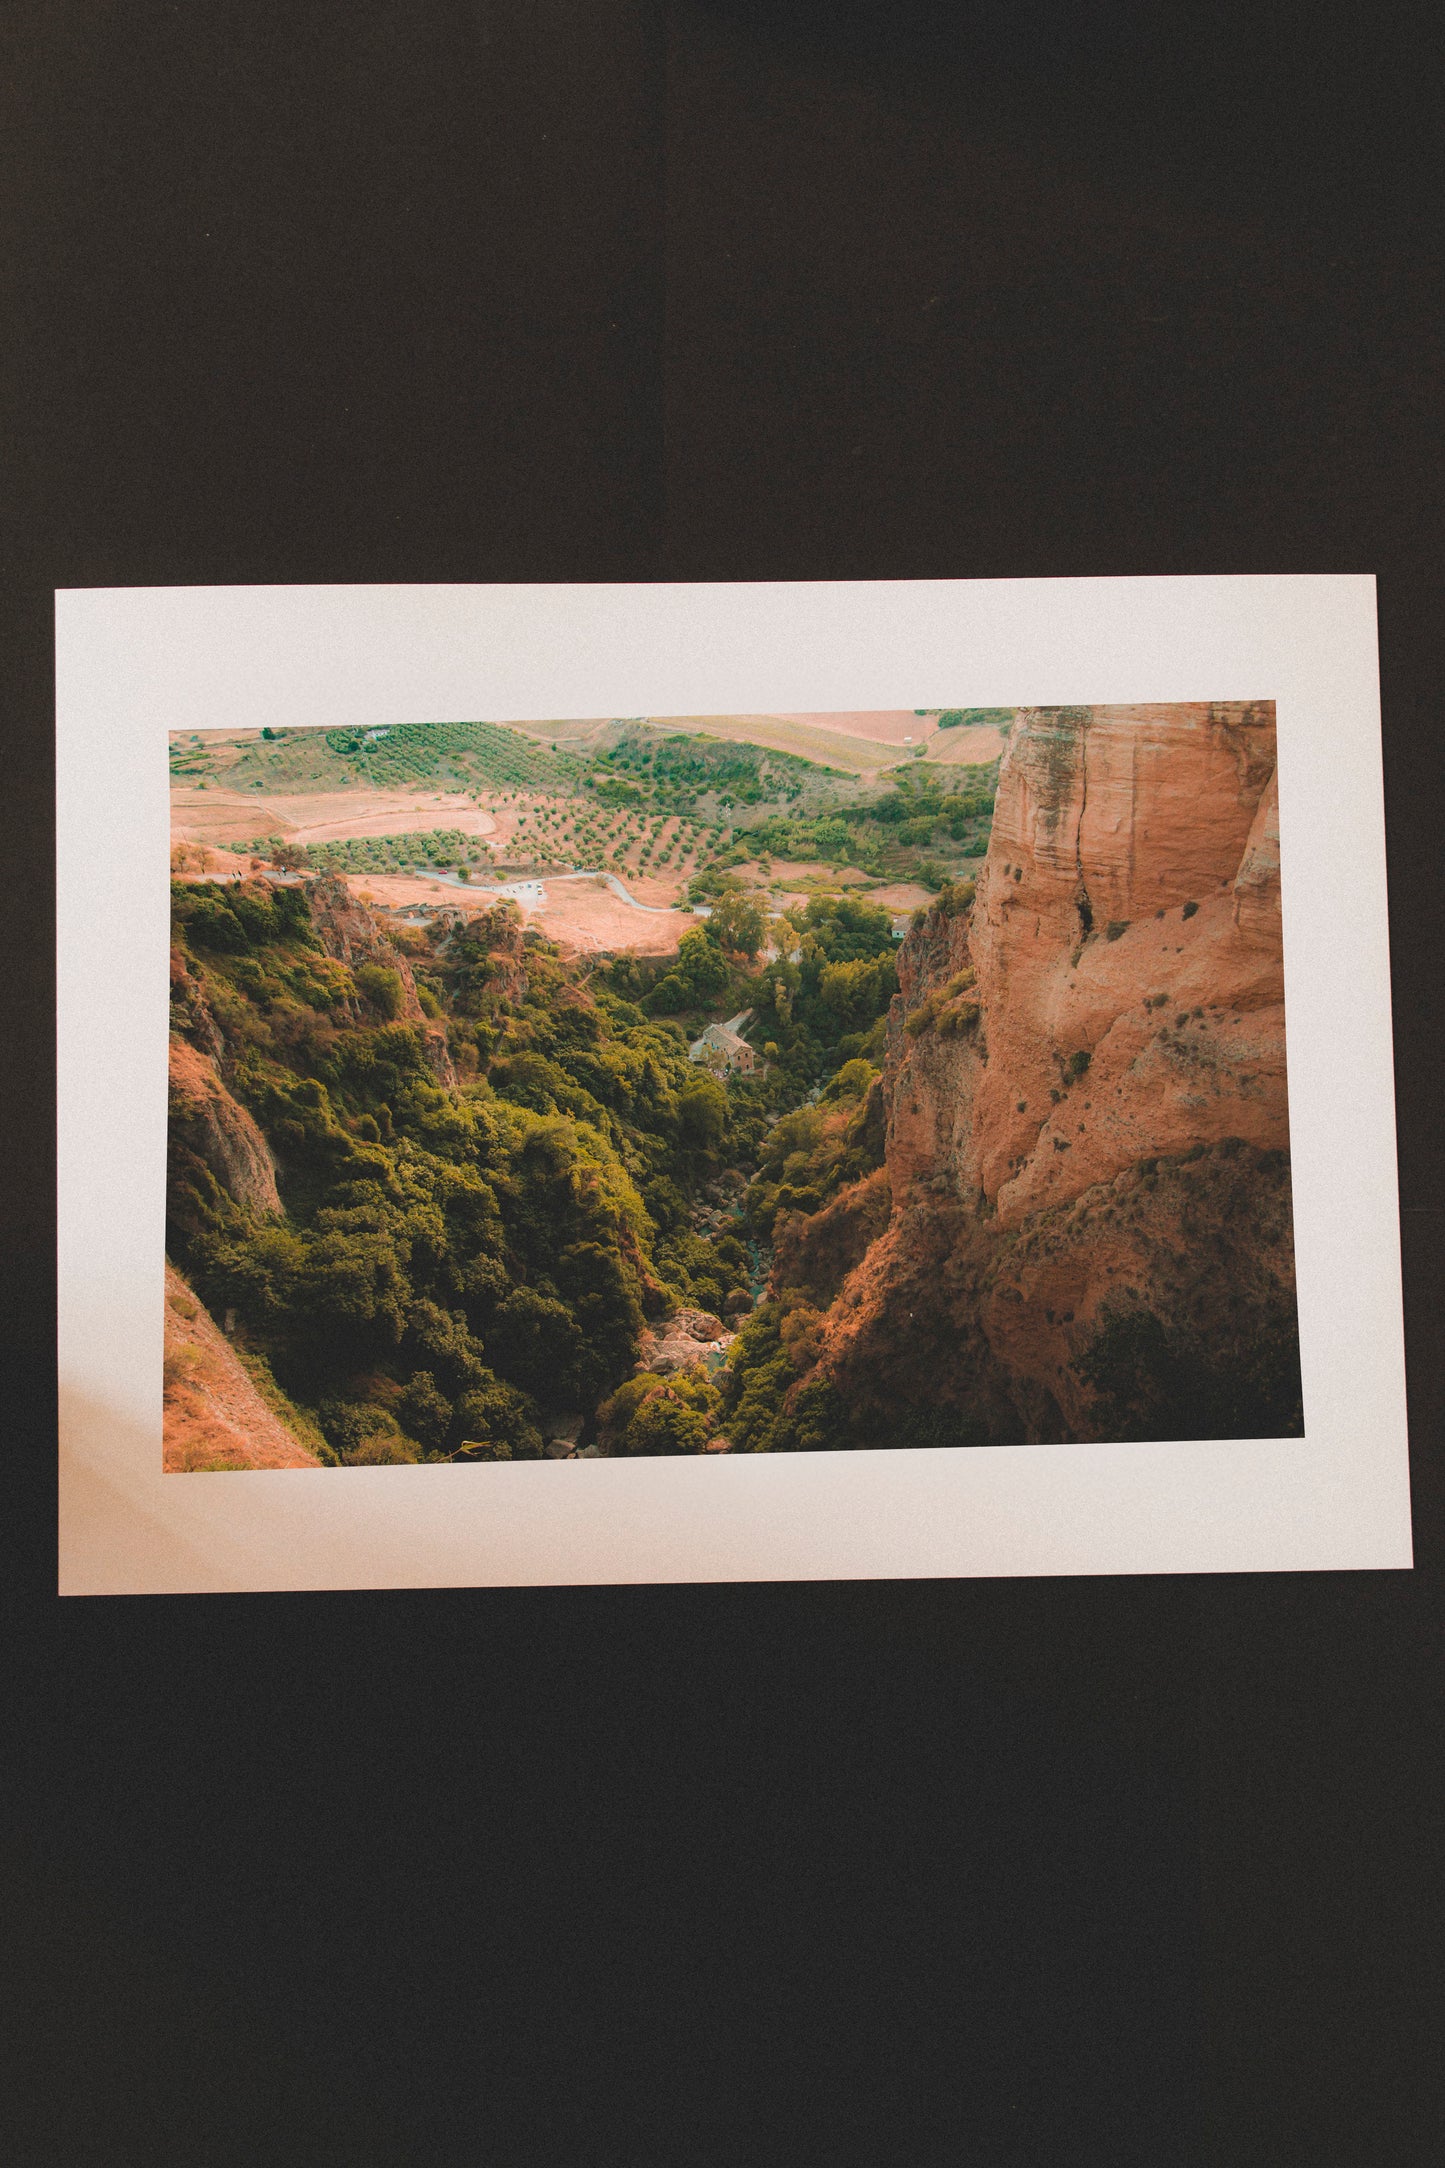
{"x":969,"y":748}
{"x":850,"y":752}
{"x":628,"y":822}
{"x":890,"y":726}
{"x":229,"y":818}
{"x":579,"y":912}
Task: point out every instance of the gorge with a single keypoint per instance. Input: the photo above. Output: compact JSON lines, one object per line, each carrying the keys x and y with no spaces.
{"x":1022,"y":1177}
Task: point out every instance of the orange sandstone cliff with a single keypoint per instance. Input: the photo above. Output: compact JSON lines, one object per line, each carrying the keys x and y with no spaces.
{"x":1087,"y":1140}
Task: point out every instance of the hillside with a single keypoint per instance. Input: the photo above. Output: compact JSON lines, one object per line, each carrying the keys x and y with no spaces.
{"x":459,"y":755}
{"x":448,"y":1186}
{"x":219,"y":1414}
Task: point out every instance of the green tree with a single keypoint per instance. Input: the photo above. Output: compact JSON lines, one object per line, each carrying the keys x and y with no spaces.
{"x":425,"y":1413}
{"x":737,"y":925}
{"x":702,"y":1114}
{"x":493,"y":1421}
{"x":382,"y":987}
{"x":536,"y":1340}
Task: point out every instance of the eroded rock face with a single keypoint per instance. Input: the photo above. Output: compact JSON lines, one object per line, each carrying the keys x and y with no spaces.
{"x":205,"y":1119}
{"x":1086,"y":1091}
{"x":1127,"y":943}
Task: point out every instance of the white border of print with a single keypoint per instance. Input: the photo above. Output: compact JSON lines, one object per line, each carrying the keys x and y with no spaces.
{"x":134,"y":664}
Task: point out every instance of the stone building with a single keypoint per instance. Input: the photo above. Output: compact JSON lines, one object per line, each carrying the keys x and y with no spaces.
{"x":724,"y":1051}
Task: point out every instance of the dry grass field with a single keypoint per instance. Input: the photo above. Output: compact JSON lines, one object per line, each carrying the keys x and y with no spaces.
{"x":972,"y":746}
{"x":231,"y":817}
{"x":889,"y":726}
{"x":852,"y":753}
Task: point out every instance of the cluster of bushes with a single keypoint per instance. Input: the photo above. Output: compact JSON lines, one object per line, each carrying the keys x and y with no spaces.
{"x":923,"y":809}
{"x":373,"y":854}
{"x":231,"y":920}
{"x":824,"y":1003}
{"x":651,"y":1415}
{"x":817,"y":1005}
{"x":949,"y":1009}
{"x":778,"y":1343}
{"x":812,"y":1152}
{"x":681,"y":769}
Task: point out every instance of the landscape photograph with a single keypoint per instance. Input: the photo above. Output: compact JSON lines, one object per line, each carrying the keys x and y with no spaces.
{"x":723,"y":1084}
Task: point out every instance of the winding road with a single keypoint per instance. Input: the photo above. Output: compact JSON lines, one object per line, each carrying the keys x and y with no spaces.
{"x":535,"y":892}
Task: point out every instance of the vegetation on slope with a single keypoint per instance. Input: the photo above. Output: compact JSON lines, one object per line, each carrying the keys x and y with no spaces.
{"x":480,"y":1214}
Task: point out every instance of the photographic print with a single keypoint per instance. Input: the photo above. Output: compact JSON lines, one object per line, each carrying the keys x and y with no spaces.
{"x":749,"y":1084}
{"x":766,"y":1081}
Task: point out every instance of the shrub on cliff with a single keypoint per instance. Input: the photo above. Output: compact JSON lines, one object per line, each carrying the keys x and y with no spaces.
{"x":350,"y":1427}
{"x":493,"y":1421}
{"x":651,"y":1415}
{"x":756,"y":1381}
{"x":954,"y":898}
{"x":764,"y":1409}
{"x":381,"y":987}
{"x":425,"y":1412}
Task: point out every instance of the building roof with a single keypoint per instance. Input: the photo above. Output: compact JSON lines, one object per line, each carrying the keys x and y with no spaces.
{"x":718,"y":1039}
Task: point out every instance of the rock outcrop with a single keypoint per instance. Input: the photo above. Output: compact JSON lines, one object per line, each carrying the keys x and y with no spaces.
{"x":208,"y":1122}
{"x":1087,"y":1109}
{"x":687,"y":1338}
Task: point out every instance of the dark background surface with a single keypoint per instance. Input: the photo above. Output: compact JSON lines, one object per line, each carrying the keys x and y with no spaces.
{"x":1056,"y":1872}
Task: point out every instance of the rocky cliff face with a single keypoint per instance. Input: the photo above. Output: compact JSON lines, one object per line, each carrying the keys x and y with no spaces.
{"x":208,"y":1124}
{"x":1087,"y":1112}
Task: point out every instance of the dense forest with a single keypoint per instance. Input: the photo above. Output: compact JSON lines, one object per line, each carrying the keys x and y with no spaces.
{"x":498,"y":1168}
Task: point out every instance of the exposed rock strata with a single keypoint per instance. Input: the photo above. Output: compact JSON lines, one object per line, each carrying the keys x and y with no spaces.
{"x":1087,"y":1112}
{"x":206,"y":1121}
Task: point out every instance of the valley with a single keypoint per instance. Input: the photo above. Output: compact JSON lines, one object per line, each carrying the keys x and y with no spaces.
{"x":462,"y":1166}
